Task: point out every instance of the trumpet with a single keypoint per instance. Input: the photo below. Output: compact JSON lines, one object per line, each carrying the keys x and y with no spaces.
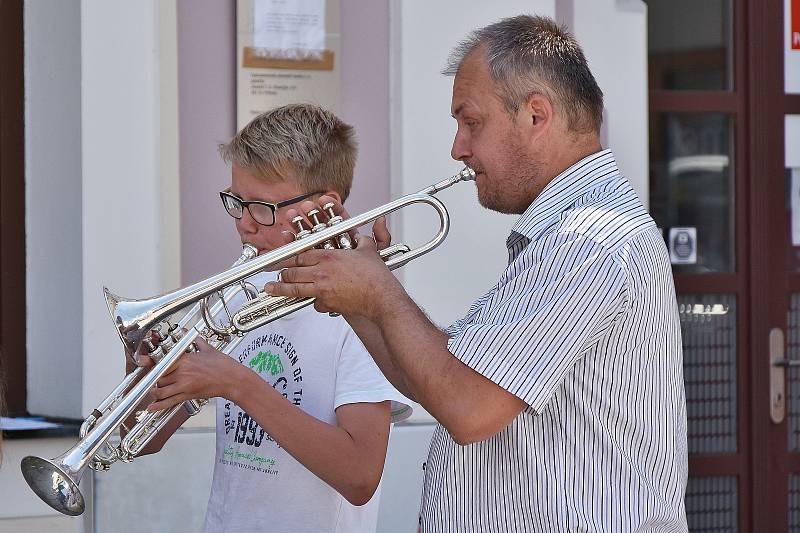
{"x":56,"y":481}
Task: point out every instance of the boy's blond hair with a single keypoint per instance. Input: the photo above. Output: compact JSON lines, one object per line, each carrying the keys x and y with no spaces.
{"x":305,"y":140}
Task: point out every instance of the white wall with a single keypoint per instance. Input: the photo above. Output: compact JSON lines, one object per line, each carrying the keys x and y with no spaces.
{"x":469,"y":262}
{"x":618,"y":60}
{"x":130,"y":230}
{"x":21,"y":511}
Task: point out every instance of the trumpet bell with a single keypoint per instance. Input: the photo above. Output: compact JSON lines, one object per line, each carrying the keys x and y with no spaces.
{"x":132,"y":318}
{"x":53,"y":485}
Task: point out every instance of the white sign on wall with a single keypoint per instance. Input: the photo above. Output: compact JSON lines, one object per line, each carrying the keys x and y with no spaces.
{"x":287,"y":51}
{"x":683,"y":246}
{"x":792,"y":46}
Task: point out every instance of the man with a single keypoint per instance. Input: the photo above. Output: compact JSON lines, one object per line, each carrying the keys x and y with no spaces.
{"x":303,"y":416}
{"x":559,"y":395}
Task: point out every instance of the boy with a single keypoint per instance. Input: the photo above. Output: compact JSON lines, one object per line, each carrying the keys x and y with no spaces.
{"x":303,"y":412}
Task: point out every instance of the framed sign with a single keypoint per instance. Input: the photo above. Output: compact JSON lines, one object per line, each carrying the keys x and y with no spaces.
{"x":287,"y":51}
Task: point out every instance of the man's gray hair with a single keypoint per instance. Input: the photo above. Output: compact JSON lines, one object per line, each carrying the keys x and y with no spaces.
{"x":304,"y":140}
{"x":529,"y":55}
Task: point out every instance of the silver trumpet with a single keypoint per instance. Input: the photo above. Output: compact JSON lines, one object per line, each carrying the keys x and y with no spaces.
{"x":56,"y":481}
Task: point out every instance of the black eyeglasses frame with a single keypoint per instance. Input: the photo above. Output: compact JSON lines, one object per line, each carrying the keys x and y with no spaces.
{"x":271,"y":205}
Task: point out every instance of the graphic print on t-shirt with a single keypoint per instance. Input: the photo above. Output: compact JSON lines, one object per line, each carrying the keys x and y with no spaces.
{"x":247,"y":445}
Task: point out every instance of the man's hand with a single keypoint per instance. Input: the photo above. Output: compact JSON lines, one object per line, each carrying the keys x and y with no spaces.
{"x":350,"y":282}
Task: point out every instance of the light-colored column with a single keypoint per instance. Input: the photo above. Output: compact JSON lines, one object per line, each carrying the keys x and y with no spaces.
{"x":130,"y":232}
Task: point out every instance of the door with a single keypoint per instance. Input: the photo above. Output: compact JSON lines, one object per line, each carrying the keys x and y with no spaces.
{"x":775,"y":313}
{"x":728,"y":200}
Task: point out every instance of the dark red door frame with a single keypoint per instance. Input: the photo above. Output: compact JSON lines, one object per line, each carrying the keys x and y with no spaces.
{"x":12,"y":208}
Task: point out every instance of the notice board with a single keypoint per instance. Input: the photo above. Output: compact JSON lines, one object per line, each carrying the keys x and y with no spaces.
{"x":288,"y":51}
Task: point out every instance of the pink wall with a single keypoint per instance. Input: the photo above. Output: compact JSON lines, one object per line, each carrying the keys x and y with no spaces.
{"x":207,"y":96}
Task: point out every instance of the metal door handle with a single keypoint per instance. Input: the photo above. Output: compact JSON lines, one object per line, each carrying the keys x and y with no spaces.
{"x":777,"y":375}
{"x":786,"y":362}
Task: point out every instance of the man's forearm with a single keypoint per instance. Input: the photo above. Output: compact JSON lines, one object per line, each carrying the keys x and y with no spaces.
{"x":416,"y":352}
{"x":467,"y":404}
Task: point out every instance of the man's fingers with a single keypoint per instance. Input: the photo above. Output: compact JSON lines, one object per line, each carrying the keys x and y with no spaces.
{"x":143,"y":360}
{"x":380,"y":232}
{"x":296,"y":275}
{"x":365,"y":243}
{"x":307,"y":258}
{"x":201,"y":343}
{"x":292,"y":290}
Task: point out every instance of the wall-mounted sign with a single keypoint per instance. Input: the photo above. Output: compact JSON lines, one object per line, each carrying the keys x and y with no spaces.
{"x":287,"y":52}
{"x":791,"y":54}
{"x":683,"y":246}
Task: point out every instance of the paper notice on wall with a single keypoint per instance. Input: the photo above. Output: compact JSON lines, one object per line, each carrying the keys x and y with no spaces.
{"x":289,"y":29}
{"x":288,"y":51}
{"x":683,"y":245}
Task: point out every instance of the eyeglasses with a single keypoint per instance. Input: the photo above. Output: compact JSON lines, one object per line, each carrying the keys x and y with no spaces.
{"x":262,"y":212}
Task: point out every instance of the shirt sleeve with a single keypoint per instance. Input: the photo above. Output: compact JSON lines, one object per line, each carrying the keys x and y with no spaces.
{"x":359,"y":380}
{"x":539,"y":322}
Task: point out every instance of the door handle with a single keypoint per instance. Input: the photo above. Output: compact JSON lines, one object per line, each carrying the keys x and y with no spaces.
{"x":777,"y":375}
{"x":787,"y":362}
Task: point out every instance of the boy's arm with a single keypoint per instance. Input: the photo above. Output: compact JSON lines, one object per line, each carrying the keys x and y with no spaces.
{"x":348,"y":456}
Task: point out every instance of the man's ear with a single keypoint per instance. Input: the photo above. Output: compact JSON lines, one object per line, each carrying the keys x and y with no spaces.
{"x":538,"y":114}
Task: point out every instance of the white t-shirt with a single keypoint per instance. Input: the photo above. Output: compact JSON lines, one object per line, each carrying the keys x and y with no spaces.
{"x":318,"y":363}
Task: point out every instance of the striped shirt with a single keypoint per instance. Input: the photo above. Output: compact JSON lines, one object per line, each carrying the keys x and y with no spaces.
{"x":583,"y":326}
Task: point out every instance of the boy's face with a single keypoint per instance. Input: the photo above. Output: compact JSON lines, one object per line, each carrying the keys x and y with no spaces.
{"x":247,"y":186}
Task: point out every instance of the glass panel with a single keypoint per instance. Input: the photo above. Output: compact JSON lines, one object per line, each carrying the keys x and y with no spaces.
{"x":692,"y":188}
{"x":712,"y":504}
{"x":794,"y":503}
{"x":708,"y":326}
{"x":690,"y":44}
{"x":792,"y":162}
{"x":793,"y":374}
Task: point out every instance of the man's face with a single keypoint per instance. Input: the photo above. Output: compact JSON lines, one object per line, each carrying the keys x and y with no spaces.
{"x":248,"y":186}
{"x":495,"y":144}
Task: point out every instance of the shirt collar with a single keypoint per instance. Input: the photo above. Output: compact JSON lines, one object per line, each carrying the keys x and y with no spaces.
{"x":563,"y":191}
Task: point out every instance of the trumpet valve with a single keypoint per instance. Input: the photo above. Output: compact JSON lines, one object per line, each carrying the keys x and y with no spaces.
{"x":343,"y":240}
{"x":328,"y":208}
{"x":302,"y":231}
{"x":319,"y":226}
{"x":314,"y":216}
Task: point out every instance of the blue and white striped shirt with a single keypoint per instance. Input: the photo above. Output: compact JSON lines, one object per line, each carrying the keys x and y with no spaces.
{"x":583,"y":326}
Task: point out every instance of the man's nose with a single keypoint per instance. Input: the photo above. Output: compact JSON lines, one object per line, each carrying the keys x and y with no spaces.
{"x":460,"y":149}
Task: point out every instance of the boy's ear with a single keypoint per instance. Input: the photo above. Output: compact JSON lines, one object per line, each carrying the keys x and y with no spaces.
{"x":334,"y":194}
